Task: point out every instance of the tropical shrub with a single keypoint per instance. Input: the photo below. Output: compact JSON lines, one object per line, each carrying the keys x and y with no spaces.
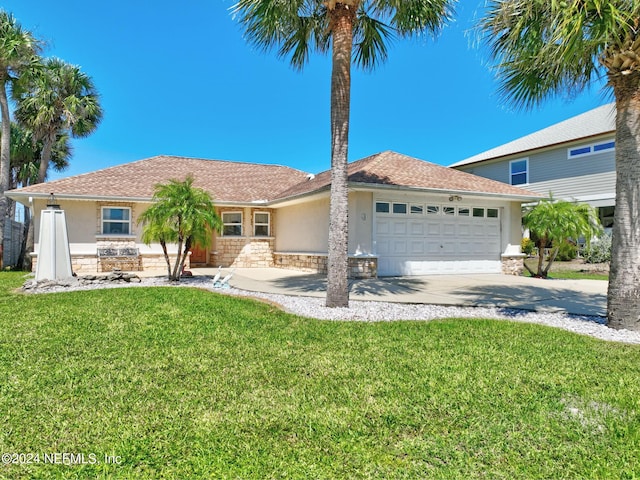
{"x":554,"y":223}
{"x":599,"y":251}
{"x":567,"y":251}
{"x":527,"y":246}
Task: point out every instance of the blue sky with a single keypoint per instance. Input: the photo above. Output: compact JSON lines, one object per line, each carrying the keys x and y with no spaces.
{"x":177,"y":78}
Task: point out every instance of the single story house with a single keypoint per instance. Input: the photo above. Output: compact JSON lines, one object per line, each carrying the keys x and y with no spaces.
{"x":573,"y":159}
{"x":406,"y":216}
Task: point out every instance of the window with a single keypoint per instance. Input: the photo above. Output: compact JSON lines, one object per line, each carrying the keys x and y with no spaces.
{"x":382,"y":207}
{"x":417,"y":209}
{"x":463,"y":211}
{"x":400,"y":208}
{"x":478,"y":212}
{"x":604,"y":146}
{"x":519,"y":171}
{"x":261,"y":224}
{"x":116,"y":221}
{"x":232,"y":224}
{"x":449,"y":210}
{"x":606,"y":216}
{"x":492,"y":213}
{"x":591,"y":149}
{"x":433,"y":209}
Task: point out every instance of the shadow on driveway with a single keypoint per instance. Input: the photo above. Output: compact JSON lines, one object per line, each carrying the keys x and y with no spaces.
{"x":550,"y":297}
{"x":316,"y":283}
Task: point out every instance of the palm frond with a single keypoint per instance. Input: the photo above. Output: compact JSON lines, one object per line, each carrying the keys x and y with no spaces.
{"x":371,"y":37}
{"x":543,"y":48}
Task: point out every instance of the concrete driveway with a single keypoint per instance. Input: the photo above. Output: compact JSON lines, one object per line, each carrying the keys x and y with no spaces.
{"x":582,"y":297}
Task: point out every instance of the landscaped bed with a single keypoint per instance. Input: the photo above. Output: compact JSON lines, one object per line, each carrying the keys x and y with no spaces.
{"x":184,"y":383}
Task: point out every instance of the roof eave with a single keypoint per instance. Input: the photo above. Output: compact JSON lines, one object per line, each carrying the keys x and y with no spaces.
{"x":26,"y":198}
{"x":446,"y":191}
{"x":465,"y":163}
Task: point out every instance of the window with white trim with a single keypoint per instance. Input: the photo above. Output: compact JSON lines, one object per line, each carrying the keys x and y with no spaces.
{"x":519,"y":171}
{"x":583,"y":150}
{"x":400,"y":208}
{"x":433,"y":209}
{"x":416,"y":209}
{"x":116,"y":221}
{"x":261,"y":224}
{"x":382,"y":207}
{"x":231,"y":224}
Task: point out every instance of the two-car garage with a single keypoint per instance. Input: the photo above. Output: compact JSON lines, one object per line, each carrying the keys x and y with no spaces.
{"x":418,"y":237}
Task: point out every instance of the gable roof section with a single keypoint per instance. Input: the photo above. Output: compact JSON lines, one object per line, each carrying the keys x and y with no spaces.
{"x":232,"y":182}
{"x":393,"y":169}
{"x":598,"y":121}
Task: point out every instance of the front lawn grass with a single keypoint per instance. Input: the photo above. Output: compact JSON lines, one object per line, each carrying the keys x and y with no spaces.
{"x":182,"y":383}
{"x":567,"y":271}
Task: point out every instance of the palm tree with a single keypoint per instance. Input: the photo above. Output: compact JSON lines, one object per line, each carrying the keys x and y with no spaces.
{"x":18,"y":48}
{"x":355,"y":30}
{"x":556,"y":222}
{"x":181,"y":214}
{"x":57,"y":98}
{"x":544,"y":47}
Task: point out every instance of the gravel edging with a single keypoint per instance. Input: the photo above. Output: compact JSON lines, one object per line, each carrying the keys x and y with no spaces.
{"x":372,"y":311}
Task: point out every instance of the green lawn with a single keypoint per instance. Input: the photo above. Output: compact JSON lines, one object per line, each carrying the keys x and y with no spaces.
{"x":560,"y":270}
{"x":182,"y":383}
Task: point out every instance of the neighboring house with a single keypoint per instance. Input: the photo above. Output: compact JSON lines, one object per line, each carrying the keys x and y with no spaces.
{"x":573,"y":160}
{"x":406,"y":216}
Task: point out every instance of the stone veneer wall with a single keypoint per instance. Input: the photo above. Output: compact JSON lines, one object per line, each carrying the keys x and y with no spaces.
{"x":513,"y":264}
{"x":243,"y":252}
{"x":359,"y":267}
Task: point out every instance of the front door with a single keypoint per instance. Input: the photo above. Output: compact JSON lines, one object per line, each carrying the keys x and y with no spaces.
{"x":198,"y":255}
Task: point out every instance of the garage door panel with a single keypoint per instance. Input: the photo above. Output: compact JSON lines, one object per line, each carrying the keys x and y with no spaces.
{"x":400,"y":247}
{"x":417,"y":247}
{"x":400,"y":228}
{"x":449,"y":229}
{"x":383,"y":226}
{"x":433,"y":228}
{"x":417,"y":228}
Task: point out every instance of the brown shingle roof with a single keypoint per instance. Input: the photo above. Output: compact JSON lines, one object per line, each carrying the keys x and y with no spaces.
{"x":238,"y":182}
{"x":226,"y":181}
{"x":395,"y":169}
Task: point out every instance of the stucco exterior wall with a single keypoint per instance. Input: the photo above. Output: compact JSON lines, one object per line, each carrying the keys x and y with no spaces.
{"x":303,"y":228}
{"x":360,"y":223}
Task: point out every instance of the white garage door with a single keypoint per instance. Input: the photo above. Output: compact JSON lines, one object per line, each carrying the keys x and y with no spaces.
{"x":424,"y":239}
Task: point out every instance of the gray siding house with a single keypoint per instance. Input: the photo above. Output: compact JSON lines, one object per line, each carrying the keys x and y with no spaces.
{"x":573,"y":160}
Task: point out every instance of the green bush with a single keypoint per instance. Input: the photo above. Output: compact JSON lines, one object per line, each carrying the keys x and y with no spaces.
{"x":599,"y":251}
{"x":568,"y":251}
{"x":527,"y":246}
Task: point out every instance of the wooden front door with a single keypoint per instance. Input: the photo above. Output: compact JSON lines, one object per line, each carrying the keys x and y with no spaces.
{"x":198,"y":255}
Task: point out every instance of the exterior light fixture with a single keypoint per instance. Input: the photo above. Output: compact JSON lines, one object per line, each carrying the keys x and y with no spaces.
{"x":52,"y":202}
{"x":457,"y":198}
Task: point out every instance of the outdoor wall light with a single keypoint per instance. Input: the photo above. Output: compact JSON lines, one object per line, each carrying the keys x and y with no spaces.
{"x":52,"y":202}
{"x":457,"y":198}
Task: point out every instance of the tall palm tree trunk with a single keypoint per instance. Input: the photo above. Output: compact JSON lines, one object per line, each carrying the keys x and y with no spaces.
{"x":45,"y":157}
{"x":341,"y":24}
{"x":623,"y":297}
{"x":5,"y":161}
